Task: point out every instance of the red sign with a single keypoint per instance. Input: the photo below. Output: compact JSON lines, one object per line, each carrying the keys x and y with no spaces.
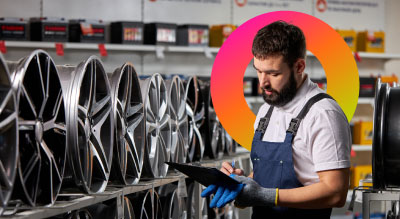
{"x":102,"y":50}
{"x":3,"y":48}
{"x":322,"y":5}
{"x":60,"y":49}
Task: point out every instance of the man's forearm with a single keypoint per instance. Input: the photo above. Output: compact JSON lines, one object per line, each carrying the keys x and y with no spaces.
{"x":327,"y":193}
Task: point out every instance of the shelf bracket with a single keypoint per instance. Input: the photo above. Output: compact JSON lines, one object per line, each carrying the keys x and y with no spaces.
{"x":160,"y":52}
{"x":208,"y":53}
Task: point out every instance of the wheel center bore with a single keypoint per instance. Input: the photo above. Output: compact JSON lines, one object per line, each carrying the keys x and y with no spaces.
{"x":39,"y":131}
{"x":88,"y":126}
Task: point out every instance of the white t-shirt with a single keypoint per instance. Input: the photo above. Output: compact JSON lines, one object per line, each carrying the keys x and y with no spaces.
{"x":323,"y":139}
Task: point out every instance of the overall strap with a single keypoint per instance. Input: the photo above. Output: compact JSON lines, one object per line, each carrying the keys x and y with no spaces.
{"x":295,"y":122}
{"x":263,"y":124}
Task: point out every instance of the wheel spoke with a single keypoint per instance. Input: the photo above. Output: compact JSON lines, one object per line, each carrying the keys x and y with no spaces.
{"x":99,"y":151}
{"x":133,"y":123}
{"x":8,"y":120}
{"x":29,"y":100}
{"x":101,"y":118}
{"x":7,"y":99}
{"x":4,"y":177}
{"x":99,"y":105}
{"x":137,"y":107}
{"x":164,"y":122}
{"x":40,"y":74}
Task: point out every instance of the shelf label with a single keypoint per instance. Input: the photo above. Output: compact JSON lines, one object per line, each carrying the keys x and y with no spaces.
{"x":3,"y":48}
{"x":60,"y":49}
{"x":182,"y":191}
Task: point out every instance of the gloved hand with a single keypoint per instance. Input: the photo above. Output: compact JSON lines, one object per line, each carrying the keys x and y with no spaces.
{"x":223,"y":194}
{"x":253,"y":194}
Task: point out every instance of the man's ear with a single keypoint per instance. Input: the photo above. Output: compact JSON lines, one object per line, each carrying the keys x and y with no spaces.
{"x":299,"y":66}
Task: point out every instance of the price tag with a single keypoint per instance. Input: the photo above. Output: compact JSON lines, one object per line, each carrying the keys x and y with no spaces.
{"x":102,"y":50}
{"x":60,"y":49}
{"x":3,"y":48}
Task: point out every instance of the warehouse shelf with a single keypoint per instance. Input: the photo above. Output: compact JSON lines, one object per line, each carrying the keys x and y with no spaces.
{"x":79,"y":200}
{"x":357,"y":147}
{"x":159,"y":50}
{"x":366,"y":100}
{"x":371,"y":55}
{"x":208,"y":51}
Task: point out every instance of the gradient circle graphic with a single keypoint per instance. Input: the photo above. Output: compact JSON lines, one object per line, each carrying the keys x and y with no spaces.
{"x":235,"y":54}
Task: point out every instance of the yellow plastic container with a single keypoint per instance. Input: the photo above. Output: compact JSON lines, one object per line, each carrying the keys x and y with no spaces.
{"x":368,"y":41}
{"x":358,"y":173}
{"x":350,"y":37}
{"x":362,"y":133}
{"x":219,"y":33}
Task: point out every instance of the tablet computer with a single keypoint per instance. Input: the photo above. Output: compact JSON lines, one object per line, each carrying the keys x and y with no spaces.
{"x":204,"y":175}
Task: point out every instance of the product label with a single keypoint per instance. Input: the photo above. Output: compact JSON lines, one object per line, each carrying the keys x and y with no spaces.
{"x":166,"y":35}
{"x":53,"y":30}
{"x":12,"y":31}
{"x":198,"y":36}
{"x":133,"y":34}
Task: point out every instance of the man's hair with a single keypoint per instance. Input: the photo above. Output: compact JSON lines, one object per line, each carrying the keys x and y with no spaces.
{"x":280,"y":38}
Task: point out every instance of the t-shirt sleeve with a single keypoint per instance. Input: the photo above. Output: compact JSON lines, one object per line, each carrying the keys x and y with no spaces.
{"x":330,"y":140}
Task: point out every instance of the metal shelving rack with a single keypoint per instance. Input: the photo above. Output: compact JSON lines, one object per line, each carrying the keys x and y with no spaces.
{"x":81,"y":200}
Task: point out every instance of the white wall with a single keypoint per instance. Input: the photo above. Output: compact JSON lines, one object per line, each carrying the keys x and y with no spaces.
{"x":203,"y":11}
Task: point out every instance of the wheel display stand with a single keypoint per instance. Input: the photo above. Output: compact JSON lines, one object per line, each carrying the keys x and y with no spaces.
{"x":67,"y":202}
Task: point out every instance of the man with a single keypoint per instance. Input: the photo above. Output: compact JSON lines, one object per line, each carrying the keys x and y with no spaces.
{"x":301,"y":146}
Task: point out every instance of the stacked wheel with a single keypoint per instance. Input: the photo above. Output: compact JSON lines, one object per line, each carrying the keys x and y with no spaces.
{"x":8,"y":136}
{"x":90,"y":126}
{"x":386,"y":138}
{"x":42,"y":130}
{"x":174,"y":206}
{"x":158,"y":126}
{"x":179,"y":120}
{"x":146,"y":205}
{"x":129,"y":124}
{"x":196,"y":115}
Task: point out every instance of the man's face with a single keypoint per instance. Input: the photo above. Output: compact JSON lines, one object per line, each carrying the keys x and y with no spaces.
{"x":276,"y":80}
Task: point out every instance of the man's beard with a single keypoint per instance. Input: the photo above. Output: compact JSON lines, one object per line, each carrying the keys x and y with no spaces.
{"x":285,"y":96}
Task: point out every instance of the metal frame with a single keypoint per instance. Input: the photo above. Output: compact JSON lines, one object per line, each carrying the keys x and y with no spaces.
{"x":129,"y":125}
{"x":8,"y":135}
{"x":42,"y":131}
{"x":80,"y":200}
{"x":90,"y":125}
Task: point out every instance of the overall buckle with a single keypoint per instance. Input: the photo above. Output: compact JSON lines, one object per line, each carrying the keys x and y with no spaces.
{"x":294,"y":126}
{"x":262,"y":125}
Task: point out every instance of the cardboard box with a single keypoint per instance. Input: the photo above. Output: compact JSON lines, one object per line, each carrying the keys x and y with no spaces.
{"x":368,"y":41}
{"x":219,"y":33}
{"x":363,"y":132}
{"x":359,"y":173}
{"x":350,"y":37}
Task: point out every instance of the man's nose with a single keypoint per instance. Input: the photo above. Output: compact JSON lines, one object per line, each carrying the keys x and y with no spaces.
{"x":264,"y":80}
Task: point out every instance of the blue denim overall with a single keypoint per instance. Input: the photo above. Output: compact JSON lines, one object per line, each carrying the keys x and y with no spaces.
{"x":273,"y":166}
